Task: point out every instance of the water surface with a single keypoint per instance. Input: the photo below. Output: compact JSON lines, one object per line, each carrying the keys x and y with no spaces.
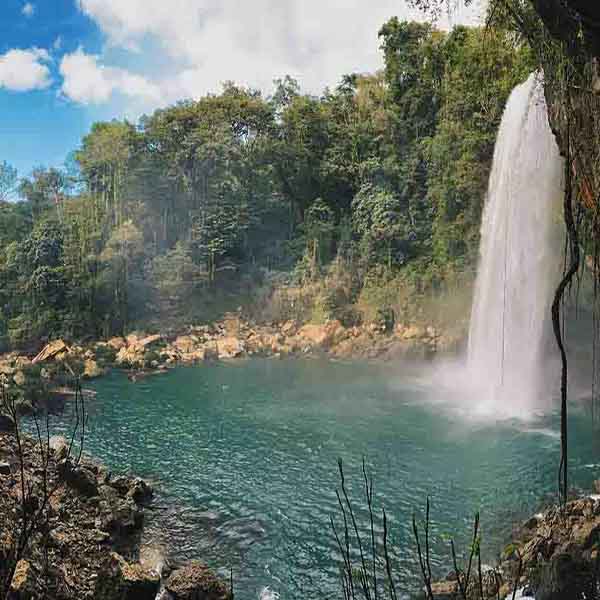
{"x":244,"y":460}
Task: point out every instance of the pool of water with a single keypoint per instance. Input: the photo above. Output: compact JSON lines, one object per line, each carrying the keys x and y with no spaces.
{"x":244,"y":460}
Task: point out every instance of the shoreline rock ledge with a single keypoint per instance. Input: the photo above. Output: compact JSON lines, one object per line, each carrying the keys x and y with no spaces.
{"x":87,"y":544}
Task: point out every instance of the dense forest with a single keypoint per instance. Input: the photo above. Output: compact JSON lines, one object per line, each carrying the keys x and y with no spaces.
{"x":371,"y":194}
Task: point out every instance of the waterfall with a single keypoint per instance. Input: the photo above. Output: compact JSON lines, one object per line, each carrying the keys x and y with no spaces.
{"x":517,"y":273}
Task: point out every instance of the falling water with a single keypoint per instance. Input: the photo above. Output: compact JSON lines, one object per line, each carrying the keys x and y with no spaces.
{"x":517,"y":272}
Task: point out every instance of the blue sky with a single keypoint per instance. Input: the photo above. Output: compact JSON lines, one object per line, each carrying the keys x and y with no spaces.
{"x":67,"y":63}
{"x":37,"y":126}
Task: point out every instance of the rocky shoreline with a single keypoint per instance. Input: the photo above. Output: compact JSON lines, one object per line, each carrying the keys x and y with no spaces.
{"x":232,"y":338}
{"x":87,"y":541}
{"x":554,"y":555}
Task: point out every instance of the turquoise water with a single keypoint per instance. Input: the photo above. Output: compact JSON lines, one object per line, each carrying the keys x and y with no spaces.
{"x":244,"y":460}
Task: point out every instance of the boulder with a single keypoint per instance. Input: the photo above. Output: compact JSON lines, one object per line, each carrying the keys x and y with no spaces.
{"x":139,"y":491}
{"x":50,"y":351}
{"x":229,"y":347}
{"x":119,"y":517}
{"x":127,"y":581}
{"x":195,"y":581}
{"x":80,"y":478}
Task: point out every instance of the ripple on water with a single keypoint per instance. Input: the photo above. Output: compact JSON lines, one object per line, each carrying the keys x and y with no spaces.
{"x":244,"y":459}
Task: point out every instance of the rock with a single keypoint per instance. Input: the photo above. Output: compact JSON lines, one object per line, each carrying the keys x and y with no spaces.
{"x":563,"y":579}
{"x":289,"y":328}
{"x":585,"y":534}
{"x":596,"y":486}
{"x":6,"y":369}
{"x":336,"y":333}
{"x":23,"y":584}
{"x":6,"y":423}
{"x":139,"y":582}
{"x":229,"y":347}
{"x":5,"y":468}
{"x":445,"y":590}
{"x":121,"y":483}
{"x":413,"y":332}
{"x":91,"y":369}
{"x":195,"y":581}
{"x":148,"y":341}
{"x":79,"y":478}
{"x":50,"y":351}
{"x":345,"y":349}
{"x":22,"y":361}
{"x":186,"y":343}
{"x":119,"y":517}
{"x":60,"y":447}
{"x":129,"y":356}
{"x":19,"y":378}
{"x":315,"y":335}
{"x":117,"y":343}
{"x":139,"y":491}
{"x":127,"y":581}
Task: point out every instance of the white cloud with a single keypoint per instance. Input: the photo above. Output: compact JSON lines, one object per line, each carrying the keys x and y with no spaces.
{"x":87,"y":81}
{"x":57,"y":44}
{"x":206,"y":42}
{"x":24,"y":70}
{"x":28,"y":9}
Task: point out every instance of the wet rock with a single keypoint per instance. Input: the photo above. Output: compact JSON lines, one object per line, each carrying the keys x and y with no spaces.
{"x":195,"y":581}
{"x":139,"y":491}
{"x":119,"y":517}
{"x":79,"y":478}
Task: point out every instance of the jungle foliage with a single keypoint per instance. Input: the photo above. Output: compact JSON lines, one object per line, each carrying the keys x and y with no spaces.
{"x":383,"y":178}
